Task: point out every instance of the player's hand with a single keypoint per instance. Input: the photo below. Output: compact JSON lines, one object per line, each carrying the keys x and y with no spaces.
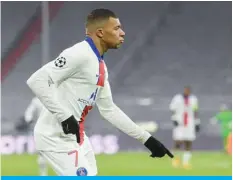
{"x":71,"y":126}
{"x":175,"y":123}
{"x":157,"y":148}
{"x":197,"y":128}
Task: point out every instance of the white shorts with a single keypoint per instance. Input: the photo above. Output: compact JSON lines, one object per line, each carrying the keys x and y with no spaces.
{"x":181,"y":133}
{"x":75,"y":163}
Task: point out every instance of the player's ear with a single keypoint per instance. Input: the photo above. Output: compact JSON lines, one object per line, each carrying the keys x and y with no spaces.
{"x":99,"y":32}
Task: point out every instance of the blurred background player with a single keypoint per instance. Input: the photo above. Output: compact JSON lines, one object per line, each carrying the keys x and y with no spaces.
{"x":184,"y":109}
{"x":224,"y":118}
{"x":30,"y":116}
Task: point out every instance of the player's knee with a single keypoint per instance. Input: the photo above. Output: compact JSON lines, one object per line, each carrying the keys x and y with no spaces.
{"x":188,"y":145}
{"x":178,"y":144}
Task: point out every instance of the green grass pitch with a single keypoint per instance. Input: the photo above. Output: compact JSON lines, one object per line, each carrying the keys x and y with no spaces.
{"x":138,"y":164}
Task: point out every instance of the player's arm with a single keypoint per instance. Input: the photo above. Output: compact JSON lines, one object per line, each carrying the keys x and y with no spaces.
{"x":30,"y":111}
{"x":45,"y":81}
{"x":172,"y":108}
{"x":195,"y":111}
{"x":112,"y":113}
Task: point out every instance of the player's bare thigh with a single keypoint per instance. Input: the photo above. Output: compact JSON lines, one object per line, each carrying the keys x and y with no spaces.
{"x":178,"y":144}
{"x":188,"y":145}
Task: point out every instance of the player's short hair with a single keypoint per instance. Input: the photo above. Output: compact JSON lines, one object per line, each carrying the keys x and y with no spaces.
{"x":188,"y":87}
{"x":98,"y":15}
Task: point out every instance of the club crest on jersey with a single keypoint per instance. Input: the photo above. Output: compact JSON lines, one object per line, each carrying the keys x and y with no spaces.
{"x":81,"y":171}
{"x":60,"y":62}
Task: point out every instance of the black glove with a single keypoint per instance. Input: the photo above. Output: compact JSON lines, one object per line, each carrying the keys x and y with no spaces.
{"x":71,"y":126}
{"x":157,"y":148}
{"x":175,"y":123}
{"x":22,"y":125}
{"x":197,"y":128}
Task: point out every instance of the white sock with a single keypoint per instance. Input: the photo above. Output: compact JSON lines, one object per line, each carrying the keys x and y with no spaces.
{"x":42,"y":166}
{"x":43,"y":170}
{"x":186,"y":157}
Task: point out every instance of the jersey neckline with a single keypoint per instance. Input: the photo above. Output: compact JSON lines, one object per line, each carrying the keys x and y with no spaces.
{"x":94,"y":48}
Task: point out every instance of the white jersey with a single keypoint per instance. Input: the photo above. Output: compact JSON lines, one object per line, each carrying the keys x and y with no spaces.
{"x":184,"y":109}
{"x":33,"y":110}
{"x":71,"y":85}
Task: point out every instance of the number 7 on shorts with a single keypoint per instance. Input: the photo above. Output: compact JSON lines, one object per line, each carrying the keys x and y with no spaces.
{"x":76,"y":156}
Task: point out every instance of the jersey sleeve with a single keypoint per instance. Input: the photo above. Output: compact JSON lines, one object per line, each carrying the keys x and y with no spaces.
{"x":30,"y":111}
{"x":196,"y":104}
{"x":173,"y":104}
{"x":66,"y":64}
{"x":44,"y":82}
{"x":112,"y":113}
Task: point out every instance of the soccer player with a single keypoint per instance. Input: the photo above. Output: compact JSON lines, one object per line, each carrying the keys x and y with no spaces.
{"x":69,"y":87}
{"x":225,"y":120}
{"x":32,"y":112}
{"x":184,"y":108}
